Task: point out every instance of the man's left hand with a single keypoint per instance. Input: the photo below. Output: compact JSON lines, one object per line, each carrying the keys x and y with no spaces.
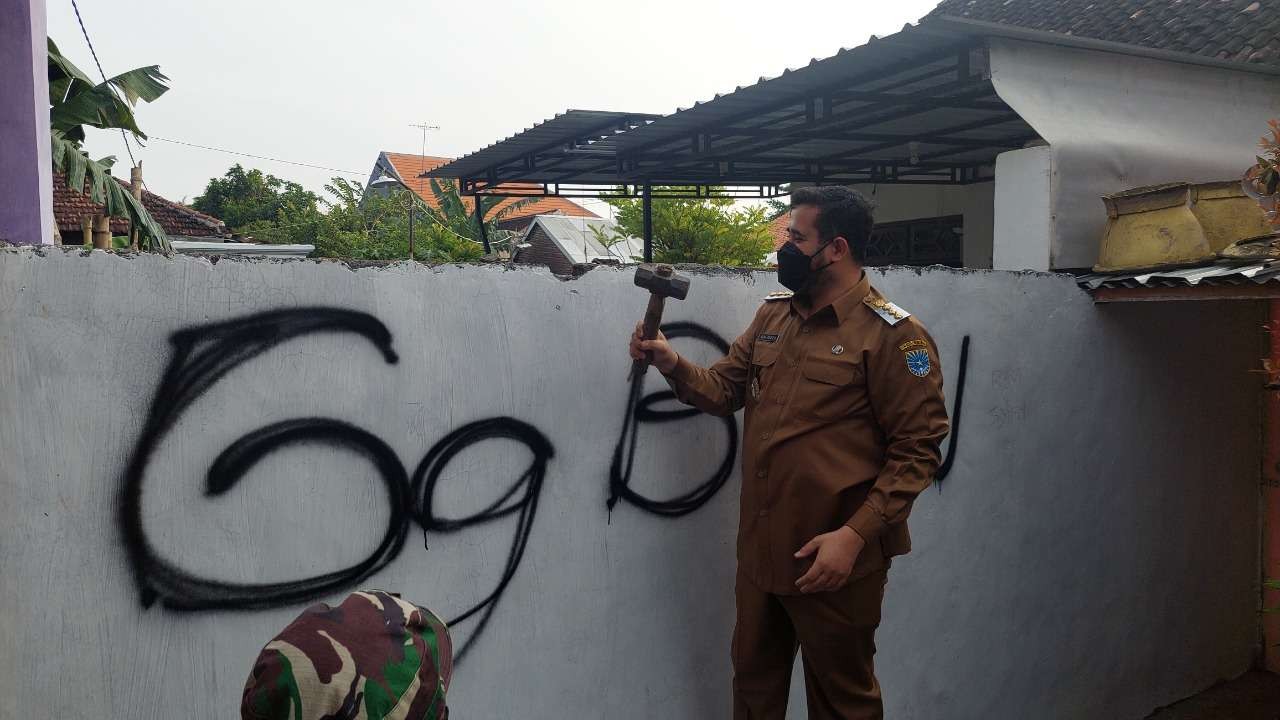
{"x":836,"y":553}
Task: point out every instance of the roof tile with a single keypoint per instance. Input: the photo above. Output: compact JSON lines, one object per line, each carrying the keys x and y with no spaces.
{"x":1239,"y":30}
{"x":174,"y":218}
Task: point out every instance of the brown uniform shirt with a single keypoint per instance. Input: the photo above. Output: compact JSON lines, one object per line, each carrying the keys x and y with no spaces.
{"x":844,"y":420}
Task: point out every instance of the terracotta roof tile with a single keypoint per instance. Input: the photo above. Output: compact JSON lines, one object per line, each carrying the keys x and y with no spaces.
{"x":778,"y":229}
{"x":409,"y":167}
{"x":1242,"y":31}
{"x":175,"y":218}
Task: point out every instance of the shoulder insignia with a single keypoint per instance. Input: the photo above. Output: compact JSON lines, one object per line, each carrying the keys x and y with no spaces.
{"x":887,"y":311}
{"x":779,"y":295}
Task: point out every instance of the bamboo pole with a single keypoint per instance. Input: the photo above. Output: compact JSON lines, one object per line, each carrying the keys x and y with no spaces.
{"x":135,"y":185}
{"x":86,"y":230}
{"x":102,"y":233}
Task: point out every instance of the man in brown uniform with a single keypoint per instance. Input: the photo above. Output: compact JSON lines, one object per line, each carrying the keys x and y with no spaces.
{"x":844,"y":418}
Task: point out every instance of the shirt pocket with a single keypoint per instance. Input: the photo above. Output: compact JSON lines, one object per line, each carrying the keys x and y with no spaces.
{"x":829,"y":386}
{"x":762,"y":362}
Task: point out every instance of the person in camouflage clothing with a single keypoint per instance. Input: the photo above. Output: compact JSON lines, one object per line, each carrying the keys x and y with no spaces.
{"x":374,"y":657}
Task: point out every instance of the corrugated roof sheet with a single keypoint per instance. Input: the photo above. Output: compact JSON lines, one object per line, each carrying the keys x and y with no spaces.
{"x":915,"y":106}
{"x":1217,"y":274}
{"x":877,"y":62}
{"x":919,"y":101}
{"x":572,"y":142}
{"x":578,"y":242}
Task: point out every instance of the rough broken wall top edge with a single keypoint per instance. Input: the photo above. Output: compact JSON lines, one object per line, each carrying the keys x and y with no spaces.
{"x":747,"y":273}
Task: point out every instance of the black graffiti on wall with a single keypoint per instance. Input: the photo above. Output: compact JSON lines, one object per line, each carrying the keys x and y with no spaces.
{"x":642,"y":410}
{"x":949,"y":462}
{"x":203,"y":355}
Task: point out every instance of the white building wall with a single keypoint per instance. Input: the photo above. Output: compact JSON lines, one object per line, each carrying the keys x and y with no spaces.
{"x":1024,"y":209}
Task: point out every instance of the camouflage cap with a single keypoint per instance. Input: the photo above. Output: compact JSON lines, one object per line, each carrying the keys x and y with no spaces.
{"x":373,"y":656}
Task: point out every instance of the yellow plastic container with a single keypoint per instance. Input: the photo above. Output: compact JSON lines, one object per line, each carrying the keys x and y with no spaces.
{"x":1176,"y":224}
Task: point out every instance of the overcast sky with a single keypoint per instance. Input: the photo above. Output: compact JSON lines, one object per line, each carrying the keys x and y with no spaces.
{"x":333,"y":82}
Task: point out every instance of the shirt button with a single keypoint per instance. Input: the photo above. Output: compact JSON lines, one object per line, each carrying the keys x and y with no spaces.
{"x":764,"y":513}
{"x":781,"y":400}
{"x":761,"y":473}
{"x":791,"y":362}
{"x":805,"y":330}
{"x":764,"y":436}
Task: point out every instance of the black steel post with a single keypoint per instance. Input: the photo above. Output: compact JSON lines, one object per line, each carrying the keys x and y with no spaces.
{"x":484,"y":236}
{"x":648,"y":223}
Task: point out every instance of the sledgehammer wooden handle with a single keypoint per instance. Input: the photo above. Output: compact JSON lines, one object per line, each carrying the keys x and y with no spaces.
{"x":652,"y":321}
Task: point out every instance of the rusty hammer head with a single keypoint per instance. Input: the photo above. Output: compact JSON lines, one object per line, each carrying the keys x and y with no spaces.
{"x":662,"y":280}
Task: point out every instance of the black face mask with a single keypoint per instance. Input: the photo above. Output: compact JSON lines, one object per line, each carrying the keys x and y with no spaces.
{"x":794,"y":267}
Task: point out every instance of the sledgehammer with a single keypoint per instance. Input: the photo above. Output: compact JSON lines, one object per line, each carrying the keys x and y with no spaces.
{"x":662,"y":282}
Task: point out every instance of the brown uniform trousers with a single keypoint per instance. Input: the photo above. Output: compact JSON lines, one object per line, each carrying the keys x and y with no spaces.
{"x":837,"y":631}
{"x":844,"y":418}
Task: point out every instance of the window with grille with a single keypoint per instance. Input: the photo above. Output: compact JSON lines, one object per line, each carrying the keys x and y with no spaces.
{"x":931,"y":241}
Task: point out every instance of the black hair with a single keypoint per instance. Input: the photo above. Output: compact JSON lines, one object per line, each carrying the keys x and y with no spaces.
{"x":842,"y":212}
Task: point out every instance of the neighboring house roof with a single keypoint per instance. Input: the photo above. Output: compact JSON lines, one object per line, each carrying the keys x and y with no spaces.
{"x":176,"y":219}
{"x":575,"y":238}
{"x":778,"y":229}
{"x":408,"y":167}
{"x":1245,"y":31}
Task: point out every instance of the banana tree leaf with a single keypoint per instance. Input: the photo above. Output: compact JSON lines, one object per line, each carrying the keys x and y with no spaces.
{"x":144,"y":83}
{"x":512,"y":208}
{"x":65,"y":79}
{"x":69,"y":160}
{"x":60,"y":66}
{"x":98,"y":107}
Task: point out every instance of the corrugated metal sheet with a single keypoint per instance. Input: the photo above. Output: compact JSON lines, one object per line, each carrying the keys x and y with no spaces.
{"x":575,"y":238}
{"x":871,"y":86}
{"x":200,"y":247}
{"x":1217,"y":274}
{"x":875,"y":63}
{"x":916,"y":106}
{"x":595,"y":130}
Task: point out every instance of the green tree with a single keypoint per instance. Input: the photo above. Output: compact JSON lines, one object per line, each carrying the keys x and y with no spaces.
{"x":707,"y":231}
{"x":776,"y":208}
{"x":374,"y":225}
{"x":348,"y":222}
{"x":363,"y":225}
{"x":263,"y":206}
{"x":76,"y":102}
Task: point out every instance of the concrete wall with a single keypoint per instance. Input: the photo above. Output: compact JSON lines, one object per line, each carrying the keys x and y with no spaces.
{"x":913,"y":202}
{"x":26,"y":183}
{"x":1092,"y":555}
{"x":1024,"y":221}
{"x":1117,"y":122}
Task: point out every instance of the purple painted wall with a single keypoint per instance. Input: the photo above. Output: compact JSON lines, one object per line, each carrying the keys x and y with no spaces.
{"x":26,"y":188}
